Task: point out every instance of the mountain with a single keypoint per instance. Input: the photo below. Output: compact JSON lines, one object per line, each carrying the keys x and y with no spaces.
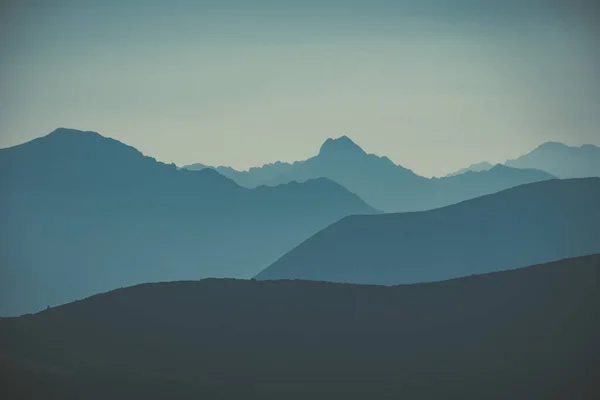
{"x":525,"y":225}
{"x":561,"y":160}
{"x":196,"y":167}
{"x":377,"y":180}
{"x":482,"y":166}
{"x":454,"y":189}
{"x":82,"y":214}
{"x":242,"y":178}
{"x":530,"y":333}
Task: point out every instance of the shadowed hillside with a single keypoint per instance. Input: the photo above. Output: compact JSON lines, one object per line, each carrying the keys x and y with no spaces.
{"x":381,"y":183}
{"x":528,"y":334}
{"x":82,"y":214}
{"x":529,"y":224}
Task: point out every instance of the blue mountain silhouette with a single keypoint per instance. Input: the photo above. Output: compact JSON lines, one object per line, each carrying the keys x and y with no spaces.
{"x":82,"y":214}
{"x":528,"y":224}
{"x":478,"y":167}
{"x":377,"y":180}
{"x":561,"y":160}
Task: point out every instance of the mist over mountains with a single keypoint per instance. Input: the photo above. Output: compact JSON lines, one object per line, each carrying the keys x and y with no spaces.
{"x":82,"y":214}
{"x":426,"y":225}
{"x":555,"y":158}
{"x":381,"y":183}
{"x":90,"y":213}
{"x":561,"y":160}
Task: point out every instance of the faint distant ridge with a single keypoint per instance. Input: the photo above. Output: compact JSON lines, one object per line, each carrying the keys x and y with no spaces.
{"x":561,"y":160}
{"x":534,"y":223}
{"x":378,"y":180}
{"x":478,"y":167}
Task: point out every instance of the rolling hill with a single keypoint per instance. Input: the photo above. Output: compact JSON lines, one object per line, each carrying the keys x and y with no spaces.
{"x":528,"y":224}
{"x":529,"y":333}
{"x":82,"y":214}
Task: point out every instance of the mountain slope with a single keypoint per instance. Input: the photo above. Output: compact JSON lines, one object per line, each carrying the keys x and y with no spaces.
{"x":478,"y":167}
{"x":529,"y":224}
{"x":377,"y":180}
{"x":472,"y":184}
{"x":82,"y":214}
{"x":528,"y":334}
{"x":561,"y":160}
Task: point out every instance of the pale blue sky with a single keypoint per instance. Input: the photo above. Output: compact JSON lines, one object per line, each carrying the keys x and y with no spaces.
{"x":433,"y":84}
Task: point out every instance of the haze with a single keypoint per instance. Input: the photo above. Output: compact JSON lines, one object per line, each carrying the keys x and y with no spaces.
{"x":433,"y":86}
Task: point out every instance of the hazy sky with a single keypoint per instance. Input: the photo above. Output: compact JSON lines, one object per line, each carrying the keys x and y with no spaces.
{"x":433,"y":84}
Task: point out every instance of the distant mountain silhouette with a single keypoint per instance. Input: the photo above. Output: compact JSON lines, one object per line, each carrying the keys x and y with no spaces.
{"x":529,"y":334}
{"x":482,"y":166}
{"x":82,"y":214}
{"x":377,"y":180}
{"x":561,"y":160}
{"x":529,"y":224}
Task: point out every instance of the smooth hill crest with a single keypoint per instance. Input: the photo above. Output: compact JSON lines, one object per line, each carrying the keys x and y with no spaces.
{"x":529,"y":333}
{"x":528,"y":224}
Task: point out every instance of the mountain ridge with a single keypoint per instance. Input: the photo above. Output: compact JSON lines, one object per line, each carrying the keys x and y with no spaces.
{"x":562,"y":160}
{"x":88,"y":210}
{"x":538,"y":222}
{"x":378,"y":180}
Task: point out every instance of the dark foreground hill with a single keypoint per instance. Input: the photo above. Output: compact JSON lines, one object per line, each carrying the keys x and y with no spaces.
{"x":526,"y":225}
{"x":530,"y":333}
{"x":81,"y":214}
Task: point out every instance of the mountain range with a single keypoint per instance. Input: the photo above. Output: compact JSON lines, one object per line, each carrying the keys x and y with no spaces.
{"x":561,"y":160}
{"x":432,"y":302}
{"x":558,"y":159}
{"x":378,"y":181}
{"x":530,"y":333}
{"x":478,"y":167}
{"x":83,"y":214}
{"x":528,"y":224}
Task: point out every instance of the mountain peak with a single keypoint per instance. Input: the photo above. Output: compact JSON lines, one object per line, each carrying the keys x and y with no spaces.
{"x":341,"y":145}
{"x":552,"y":145}
{"x":68,"y":132}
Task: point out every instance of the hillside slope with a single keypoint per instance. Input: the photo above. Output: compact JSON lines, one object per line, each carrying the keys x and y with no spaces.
{"x":528,"y":334}
{"x":526,"y":225}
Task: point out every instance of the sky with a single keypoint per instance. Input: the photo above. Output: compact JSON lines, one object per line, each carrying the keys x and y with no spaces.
{"x":435,"y":85}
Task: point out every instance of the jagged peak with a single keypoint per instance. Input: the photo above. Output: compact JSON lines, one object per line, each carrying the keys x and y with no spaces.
{"x":341,"y":145}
